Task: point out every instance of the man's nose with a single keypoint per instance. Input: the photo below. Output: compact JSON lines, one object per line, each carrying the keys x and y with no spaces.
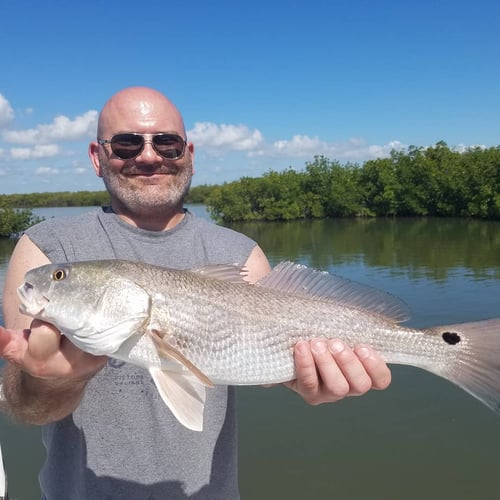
{"x":149,"y":153}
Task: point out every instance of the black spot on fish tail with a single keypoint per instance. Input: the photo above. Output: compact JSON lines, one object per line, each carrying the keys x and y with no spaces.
{"x":475,"y":367}
{"x":451,"y":338}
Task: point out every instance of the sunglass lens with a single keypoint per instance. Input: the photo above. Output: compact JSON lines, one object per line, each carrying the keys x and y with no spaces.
{"x":127,"y":146}
{"x":169,"y":145}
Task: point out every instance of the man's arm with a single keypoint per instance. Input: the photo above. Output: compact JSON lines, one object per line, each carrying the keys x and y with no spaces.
{"x":45,"y":376}
{"x":328,"y":371}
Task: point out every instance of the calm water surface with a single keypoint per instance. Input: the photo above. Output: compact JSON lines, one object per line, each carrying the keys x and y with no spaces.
{"x":421,"y":438}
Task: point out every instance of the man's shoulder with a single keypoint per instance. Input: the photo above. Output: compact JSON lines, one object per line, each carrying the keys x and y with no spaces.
{"x":72,"y":223}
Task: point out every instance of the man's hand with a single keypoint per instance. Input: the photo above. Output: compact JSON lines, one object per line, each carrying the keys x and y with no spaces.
{"x":46,"y":375}
{"x":328,"y":371}
{"x":44,"y":353}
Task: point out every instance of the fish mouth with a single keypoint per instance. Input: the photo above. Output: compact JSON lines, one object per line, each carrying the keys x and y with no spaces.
{"x":32,"y":303}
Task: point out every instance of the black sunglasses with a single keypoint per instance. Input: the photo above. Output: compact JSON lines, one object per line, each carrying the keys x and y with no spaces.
{"x":129,"y":145}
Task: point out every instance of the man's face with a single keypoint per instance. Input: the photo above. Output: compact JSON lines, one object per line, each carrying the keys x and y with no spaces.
{"x":148,"y":182}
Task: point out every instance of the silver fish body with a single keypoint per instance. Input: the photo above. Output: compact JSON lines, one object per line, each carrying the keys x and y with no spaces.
{"x":208,"y":326}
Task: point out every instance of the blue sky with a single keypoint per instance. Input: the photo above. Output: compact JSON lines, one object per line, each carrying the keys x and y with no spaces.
{"x":262,"y":85}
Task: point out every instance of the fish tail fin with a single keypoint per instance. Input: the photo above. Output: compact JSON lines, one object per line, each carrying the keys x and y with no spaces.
{"x":477,"y":359}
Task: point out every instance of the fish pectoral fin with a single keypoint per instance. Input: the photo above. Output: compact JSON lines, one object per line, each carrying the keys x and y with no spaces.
{"x":167,"y":351}
{"x":184,"y":395}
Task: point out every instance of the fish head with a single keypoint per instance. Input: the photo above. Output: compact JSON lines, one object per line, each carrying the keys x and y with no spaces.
{"x":94,"y":306}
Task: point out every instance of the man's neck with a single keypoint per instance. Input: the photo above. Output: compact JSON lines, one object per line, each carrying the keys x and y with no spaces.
{"x":152,"y":220}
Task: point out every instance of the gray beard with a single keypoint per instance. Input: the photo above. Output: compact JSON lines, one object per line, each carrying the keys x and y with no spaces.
{"x":151,"y":199}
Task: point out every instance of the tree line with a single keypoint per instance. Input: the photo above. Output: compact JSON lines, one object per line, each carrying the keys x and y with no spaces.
{"x":433,"y":181}
{"x":56,"y":199}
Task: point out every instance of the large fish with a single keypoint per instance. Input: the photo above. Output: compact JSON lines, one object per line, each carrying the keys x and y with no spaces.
{"x":193,"y":329}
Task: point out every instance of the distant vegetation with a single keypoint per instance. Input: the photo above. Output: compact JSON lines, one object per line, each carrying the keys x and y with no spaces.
{"x":13,"y":221}
{"x":16,"y":214}
{"x":61,"y":199}
{"x":434,"y":181}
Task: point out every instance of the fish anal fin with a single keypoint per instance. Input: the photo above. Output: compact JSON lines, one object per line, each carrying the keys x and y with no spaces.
{"x":167,"y":351}
{"x":184,"y":395}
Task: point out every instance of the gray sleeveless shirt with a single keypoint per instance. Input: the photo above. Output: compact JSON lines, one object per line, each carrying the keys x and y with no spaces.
{"x":122,"y":442}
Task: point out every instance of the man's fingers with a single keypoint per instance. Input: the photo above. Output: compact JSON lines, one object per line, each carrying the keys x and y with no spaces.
{"x":333,"y":381}
{"x":44,"y":353}
{"x":13,"y":345}
{"x":306,"y":382}
{"x":375,"y":366}
{"x":330,"y":370}
{"x":353,"y":372}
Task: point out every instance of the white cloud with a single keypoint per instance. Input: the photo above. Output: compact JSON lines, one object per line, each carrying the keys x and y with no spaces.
{"x":217,"y":139}
{"x":62,"y":128}
{"x":462,"y":148}
{"x":354,"y":149}
{"x":300,"y":145}
{"x":39,"y":151}
{"x":46,"y":171}
{"x":357,"y":150}
{"x":6,"y":111}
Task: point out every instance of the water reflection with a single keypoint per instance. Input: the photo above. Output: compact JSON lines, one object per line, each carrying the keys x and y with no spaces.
{"x":429,"y":248}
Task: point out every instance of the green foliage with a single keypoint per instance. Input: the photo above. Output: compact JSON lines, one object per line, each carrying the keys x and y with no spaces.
{"x":13,"y":220}
{"x":16,"y":216}
{"x":434,"y":181}
{"x":275,"y":196}
{"x":60,"y":199}
{"x":334,"y":188}
{"x":199,"y":194}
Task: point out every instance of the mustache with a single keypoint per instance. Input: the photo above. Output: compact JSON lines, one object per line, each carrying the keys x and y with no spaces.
{"x":153,"y":169}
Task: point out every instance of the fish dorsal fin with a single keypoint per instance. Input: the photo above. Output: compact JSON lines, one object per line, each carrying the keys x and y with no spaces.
{"x":224,"y":272}
{"x":167,"y":351}
{"x":298,"y":279}
{"x":183,"y":393}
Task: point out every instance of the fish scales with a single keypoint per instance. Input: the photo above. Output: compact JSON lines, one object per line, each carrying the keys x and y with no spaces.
{"x":222,"y":334}
{"x":252,"y":348}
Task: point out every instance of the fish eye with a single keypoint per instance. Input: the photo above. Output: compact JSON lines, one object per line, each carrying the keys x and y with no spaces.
{"x":59,"y":275}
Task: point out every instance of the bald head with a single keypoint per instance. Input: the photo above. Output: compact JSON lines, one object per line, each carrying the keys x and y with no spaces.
{"x":139,"y":109}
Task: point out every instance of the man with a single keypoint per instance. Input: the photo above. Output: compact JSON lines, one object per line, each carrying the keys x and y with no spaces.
{"x":107,"y":432}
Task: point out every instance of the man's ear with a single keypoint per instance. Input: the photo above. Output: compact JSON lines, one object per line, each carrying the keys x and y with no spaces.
{"x":93,"y":152}
{"x":190,"y":147}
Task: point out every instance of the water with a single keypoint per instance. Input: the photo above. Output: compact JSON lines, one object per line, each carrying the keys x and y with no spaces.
{"x":421,"y":438}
